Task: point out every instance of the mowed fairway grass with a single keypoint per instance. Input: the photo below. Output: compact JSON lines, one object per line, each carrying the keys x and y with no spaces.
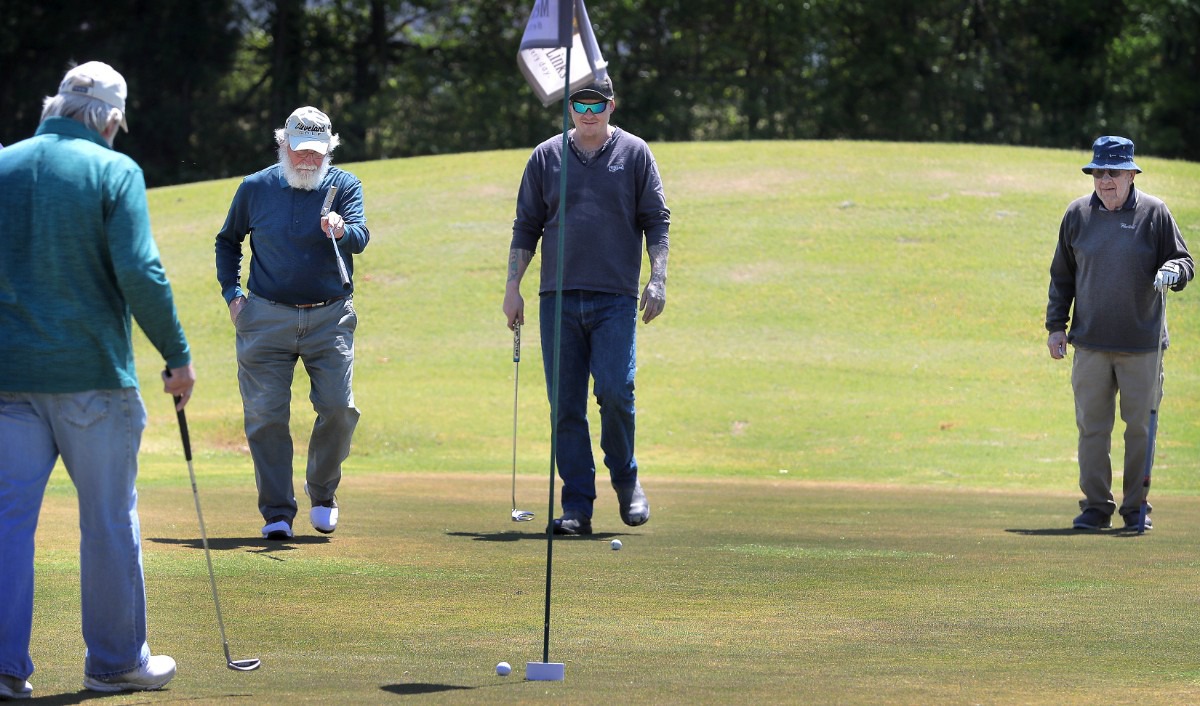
{"x":860,"y":459}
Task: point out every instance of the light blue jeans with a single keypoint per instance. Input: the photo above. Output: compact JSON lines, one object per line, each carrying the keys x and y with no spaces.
{"x":599,"y":340}
{"x":271,"y":338}
{"x":97,"y":434}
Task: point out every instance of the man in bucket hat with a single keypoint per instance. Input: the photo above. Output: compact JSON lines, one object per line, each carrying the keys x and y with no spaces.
{"x":294,"y":281}
{"x":1118,"y":248}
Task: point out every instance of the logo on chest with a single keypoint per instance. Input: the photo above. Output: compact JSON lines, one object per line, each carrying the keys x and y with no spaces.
{"x":618,"y":167}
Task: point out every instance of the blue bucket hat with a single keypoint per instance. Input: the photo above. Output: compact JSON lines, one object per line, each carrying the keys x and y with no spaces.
{"x":1111,"y":152}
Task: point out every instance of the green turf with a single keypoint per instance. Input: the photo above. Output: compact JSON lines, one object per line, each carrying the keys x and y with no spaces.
{"x":750,"y":591}
{"x":859,"y":453}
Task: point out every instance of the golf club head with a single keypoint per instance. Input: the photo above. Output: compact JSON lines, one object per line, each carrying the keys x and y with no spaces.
{"x":521,"y":516}
{"x":244,"y":665}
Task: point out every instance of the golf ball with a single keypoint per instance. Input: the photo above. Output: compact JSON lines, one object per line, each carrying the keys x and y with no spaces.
{"x":504,"y":669}
{"x":616,"y":544}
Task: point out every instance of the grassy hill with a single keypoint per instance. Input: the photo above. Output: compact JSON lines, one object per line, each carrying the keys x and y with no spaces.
{"x":866,"y":317}
{"x":838,"y":310}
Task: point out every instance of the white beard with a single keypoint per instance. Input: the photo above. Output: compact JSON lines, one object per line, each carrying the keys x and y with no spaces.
{"x":304,"y":179}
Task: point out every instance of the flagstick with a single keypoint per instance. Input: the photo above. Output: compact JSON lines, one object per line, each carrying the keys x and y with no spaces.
{"x":547,"y":670}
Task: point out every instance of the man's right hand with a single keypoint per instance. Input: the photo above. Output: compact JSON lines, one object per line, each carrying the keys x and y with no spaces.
{"x":235,"y":308}
{"x":514,"y":307}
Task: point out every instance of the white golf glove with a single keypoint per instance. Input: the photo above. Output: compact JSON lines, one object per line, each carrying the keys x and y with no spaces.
{"x":1168,"y":276}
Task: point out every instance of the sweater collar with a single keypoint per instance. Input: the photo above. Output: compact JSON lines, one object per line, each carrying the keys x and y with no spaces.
{"x":71,"y":127}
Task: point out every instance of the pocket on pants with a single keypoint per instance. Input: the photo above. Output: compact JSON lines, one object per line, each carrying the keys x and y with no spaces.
{"x":84,"y":409}
{"x":243,"y":314}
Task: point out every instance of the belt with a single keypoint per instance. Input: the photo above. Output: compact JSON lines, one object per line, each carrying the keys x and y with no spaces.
{"x":327,"y":302}
{"x":314,"y":306}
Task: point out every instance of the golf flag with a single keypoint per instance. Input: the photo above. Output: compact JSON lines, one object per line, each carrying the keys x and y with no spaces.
{"x":542,"y":56}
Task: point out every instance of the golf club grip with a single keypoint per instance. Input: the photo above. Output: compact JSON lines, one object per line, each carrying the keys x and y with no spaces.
{"x":328,"y":204}
{"x":517,"y":343}
{"x":183,"y":429}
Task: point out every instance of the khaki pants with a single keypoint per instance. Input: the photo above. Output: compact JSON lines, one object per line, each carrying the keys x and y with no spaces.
{"x":1097,"y":377}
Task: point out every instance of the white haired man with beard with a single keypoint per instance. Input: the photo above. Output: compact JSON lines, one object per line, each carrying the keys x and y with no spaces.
{"x":295,"y":308}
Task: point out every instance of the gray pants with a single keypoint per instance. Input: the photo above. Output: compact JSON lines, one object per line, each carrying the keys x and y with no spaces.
{"x":270,"y":339}
{"x":1097,"y":377}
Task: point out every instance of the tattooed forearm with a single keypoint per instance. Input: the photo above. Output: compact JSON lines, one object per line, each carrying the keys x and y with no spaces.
{"x":658,"y":264}
{"x":518,"y":261}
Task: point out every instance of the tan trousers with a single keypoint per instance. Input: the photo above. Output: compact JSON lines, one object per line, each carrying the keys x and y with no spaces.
{"x":1097,"y":377}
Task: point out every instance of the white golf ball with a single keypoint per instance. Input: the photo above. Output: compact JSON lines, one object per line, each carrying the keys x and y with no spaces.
{"x":504,"y":669}
{"x":616,"y":544}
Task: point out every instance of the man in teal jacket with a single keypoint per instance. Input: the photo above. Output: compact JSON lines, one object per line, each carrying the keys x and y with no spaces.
{"x":79,"y":263}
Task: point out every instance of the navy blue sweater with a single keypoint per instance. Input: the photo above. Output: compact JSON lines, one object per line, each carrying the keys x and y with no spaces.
{"x":292,"y":261}
{"x":613,"y":201}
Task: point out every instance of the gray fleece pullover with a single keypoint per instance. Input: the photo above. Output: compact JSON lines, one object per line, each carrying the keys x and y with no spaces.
{"x":1105,"y":263}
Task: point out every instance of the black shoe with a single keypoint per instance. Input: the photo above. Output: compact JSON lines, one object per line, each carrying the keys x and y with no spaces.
{"x":572,"y":524}
{"x":1132,"y":519}
{"x":635,"y":508}
{"x":1092,"y":519}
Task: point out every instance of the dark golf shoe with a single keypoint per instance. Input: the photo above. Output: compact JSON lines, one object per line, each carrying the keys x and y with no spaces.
{"x":1092,"y":519}
{"x":635,"y":508}
{"x":572,"y":524}
{"x":1131,"y":521}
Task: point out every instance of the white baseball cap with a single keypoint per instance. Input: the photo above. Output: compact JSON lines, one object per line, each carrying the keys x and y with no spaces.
{"x":308,"y":129}
{"x":98,"y":80}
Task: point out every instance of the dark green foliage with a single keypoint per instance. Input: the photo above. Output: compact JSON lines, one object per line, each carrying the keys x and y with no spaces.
{"x":210,"y":80}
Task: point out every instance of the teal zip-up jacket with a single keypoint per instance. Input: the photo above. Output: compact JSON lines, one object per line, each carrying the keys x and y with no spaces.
{"x":77,"y":261}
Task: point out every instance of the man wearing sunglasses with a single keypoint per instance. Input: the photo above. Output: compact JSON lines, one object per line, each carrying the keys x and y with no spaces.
{"x":1118,"y":249}
{"x":614,"y":201}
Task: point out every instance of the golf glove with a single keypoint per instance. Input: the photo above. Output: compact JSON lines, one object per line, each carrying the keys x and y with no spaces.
{"x":1168,"y":276}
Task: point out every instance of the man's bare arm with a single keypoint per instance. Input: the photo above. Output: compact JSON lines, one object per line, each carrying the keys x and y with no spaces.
{"x":654,"y":297}
{"x":514,"y":304}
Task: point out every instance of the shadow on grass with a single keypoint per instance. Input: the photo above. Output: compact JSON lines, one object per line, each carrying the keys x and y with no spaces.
{"x":513,"y":536}
{"x":84,"y":695}
{"x":1071,"y":532}
{"x":76,"y":698}
{"x":413,"y":689}
{"x":253,"y":544}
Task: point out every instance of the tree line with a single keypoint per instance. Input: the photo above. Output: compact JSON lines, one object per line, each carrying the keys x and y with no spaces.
{"x":210,"y":80}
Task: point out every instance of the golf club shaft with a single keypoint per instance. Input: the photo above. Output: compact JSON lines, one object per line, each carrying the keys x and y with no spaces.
{"x":337,"y":253}
{"x":1152,"y":440}
{"x":212,"y":581}
{"x":516,"y":388}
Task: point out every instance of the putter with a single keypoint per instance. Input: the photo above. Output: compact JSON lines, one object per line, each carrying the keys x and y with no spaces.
{"x":1158,"y":369}
{"x":336,"y":252}
{"x":517,"y":515}
{"x":238,"y":665}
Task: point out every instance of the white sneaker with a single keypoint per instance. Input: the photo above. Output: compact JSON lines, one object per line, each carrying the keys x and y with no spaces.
{"x":155,"y":674}
{"x":323,"y":515}
{"x":14,"y":687}
{"x":277,"y":528}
